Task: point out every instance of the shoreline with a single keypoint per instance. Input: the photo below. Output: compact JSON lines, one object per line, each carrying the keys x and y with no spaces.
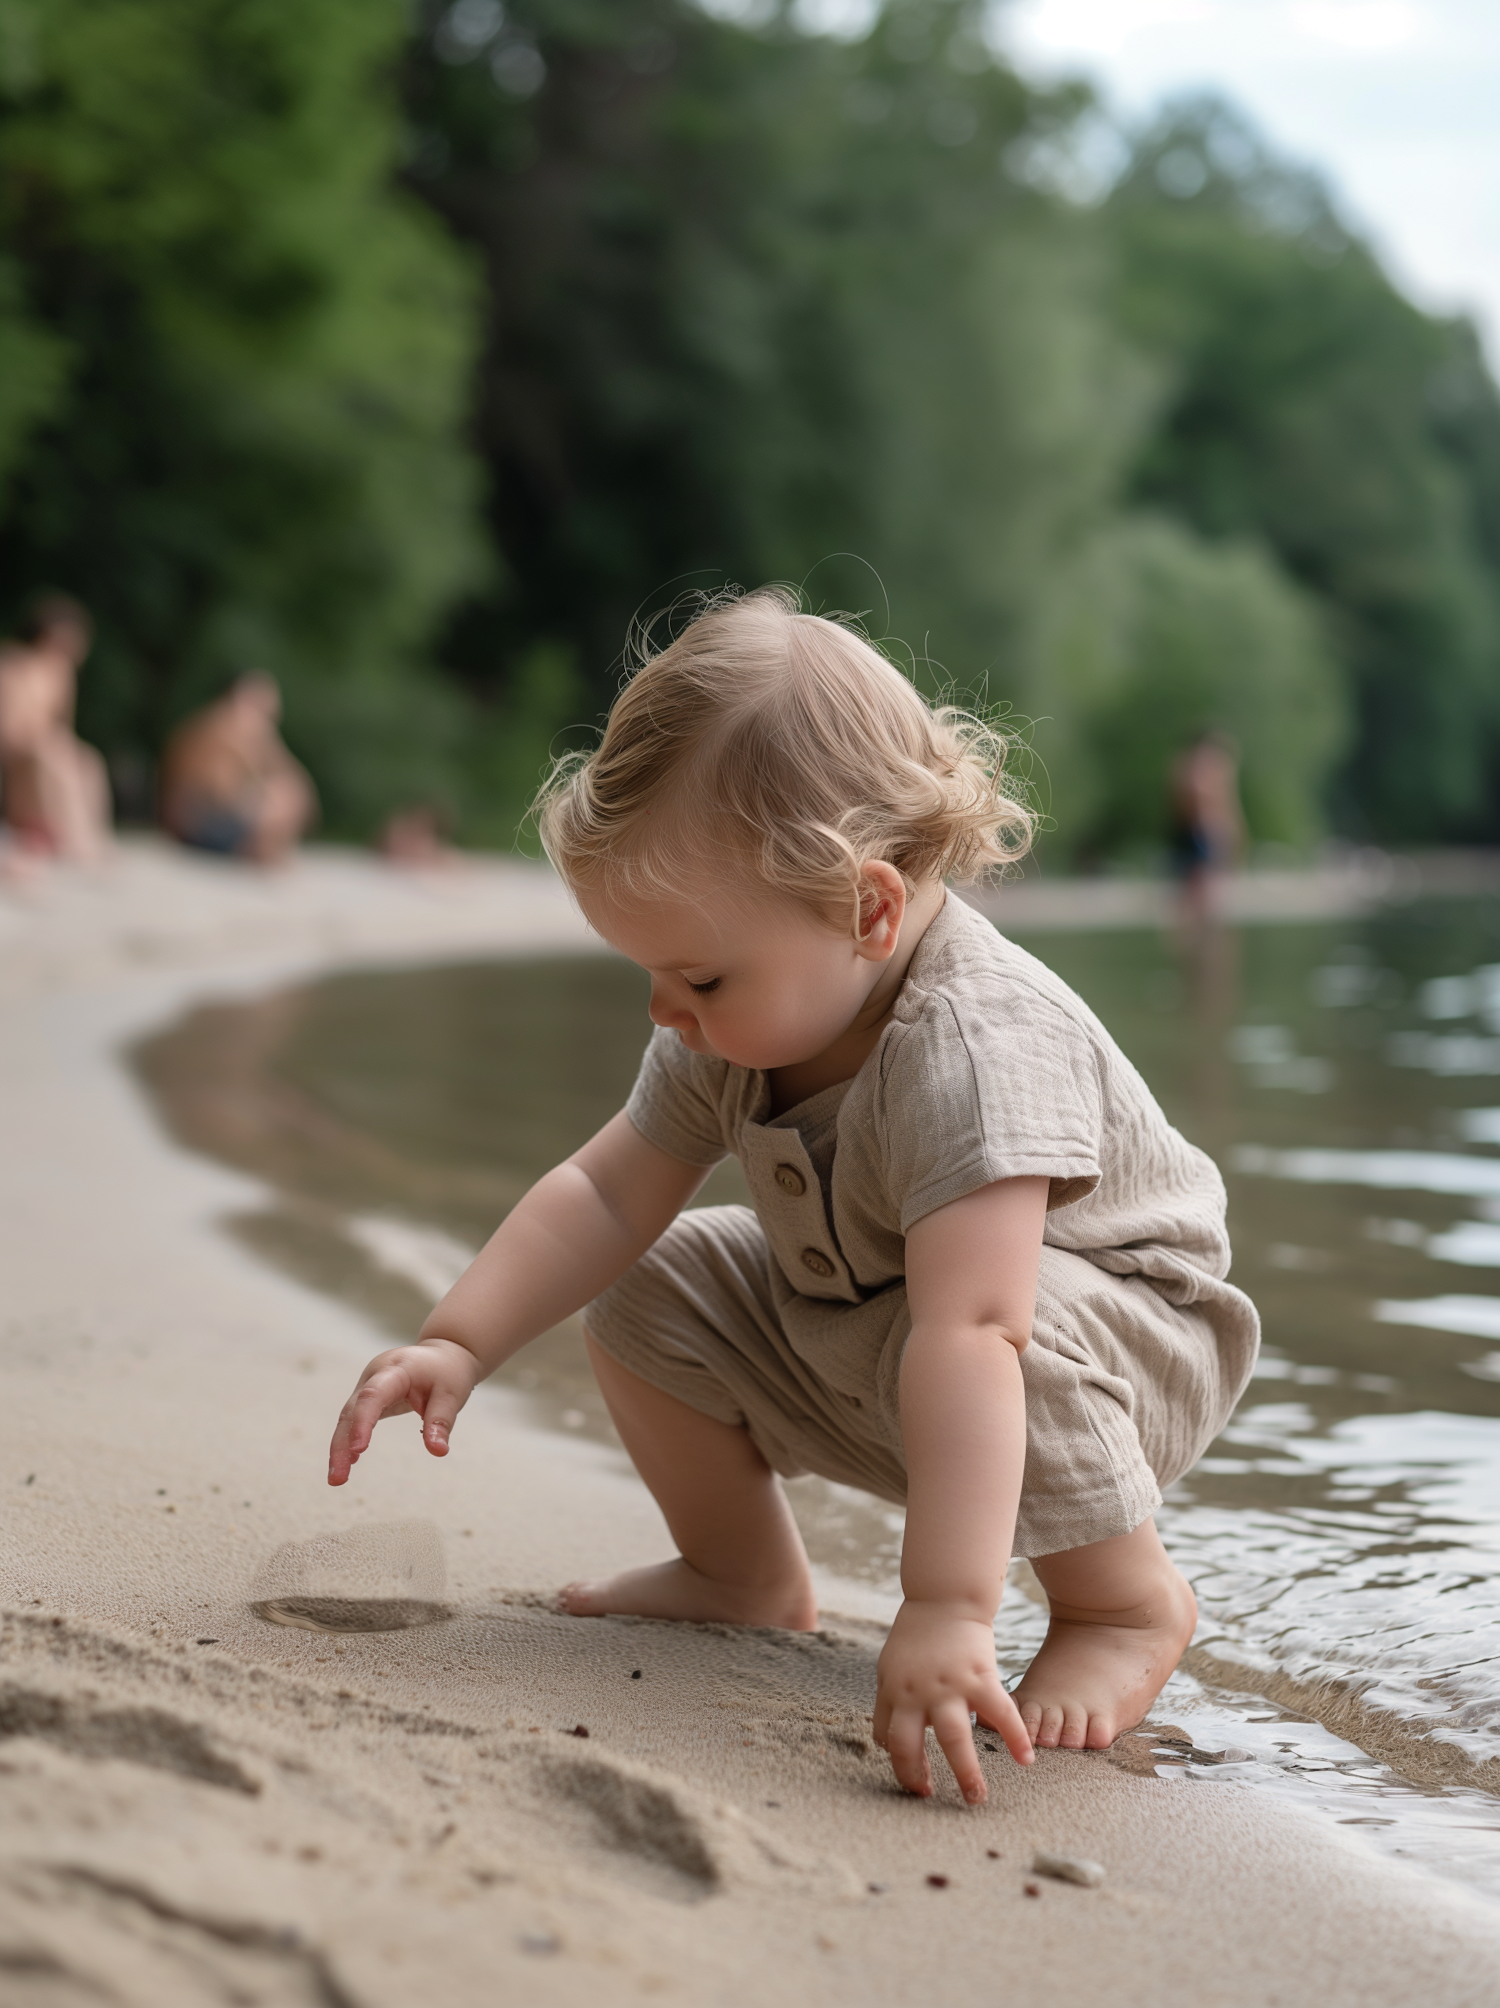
{"x":200,"y":1800}
{"x":156,"y":907}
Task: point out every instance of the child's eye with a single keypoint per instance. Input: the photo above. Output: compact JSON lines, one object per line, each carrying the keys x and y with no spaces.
{"x":704,"y":989}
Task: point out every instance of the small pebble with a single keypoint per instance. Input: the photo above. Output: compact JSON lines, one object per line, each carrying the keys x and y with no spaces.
{"x":1068,"y":1868}
{"x":207,"y":1641}
{"x":636,"y":1674}
{"x":937,"y":1882}
{"x":579,"y":1731}
{"x":876,"y":1889}
{"x":1032,"y":1889}
{"x":993,"y":1853}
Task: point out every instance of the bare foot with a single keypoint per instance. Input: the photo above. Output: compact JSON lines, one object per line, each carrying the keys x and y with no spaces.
{"x":678,"y":1590}
{"x":1098,"y":1672}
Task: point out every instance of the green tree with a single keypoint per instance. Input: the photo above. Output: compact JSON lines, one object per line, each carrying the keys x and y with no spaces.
{"x":758,"y":299}
{"x":1310,"y":406}
{"x":235,"y":364}
{"x":1160,"y":637}
{"x":355,"y":342}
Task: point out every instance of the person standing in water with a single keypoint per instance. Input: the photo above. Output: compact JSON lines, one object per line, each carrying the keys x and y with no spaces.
{"x":54,"y":788}
{"x":229,"y":783}
{"x":1208,"y":828}
{"x":982,"y":1275}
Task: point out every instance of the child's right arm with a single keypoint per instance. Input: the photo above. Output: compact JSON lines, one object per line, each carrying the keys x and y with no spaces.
{"x":574,"y":1233}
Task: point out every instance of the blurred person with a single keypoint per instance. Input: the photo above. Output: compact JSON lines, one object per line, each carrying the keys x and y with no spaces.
{"x":1208,"y":828}
{"x":229,"y":783}
{"x":417,"y":837}
{"x":54,"y":788}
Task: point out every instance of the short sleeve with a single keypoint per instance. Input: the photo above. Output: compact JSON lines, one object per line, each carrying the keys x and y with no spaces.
{"x":675,"y":1101}
{"x":968,"y":1099}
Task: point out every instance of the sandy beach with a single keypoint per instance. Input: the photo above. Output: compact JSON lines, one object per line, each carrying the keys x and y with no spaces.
{"x":201,"y":1806}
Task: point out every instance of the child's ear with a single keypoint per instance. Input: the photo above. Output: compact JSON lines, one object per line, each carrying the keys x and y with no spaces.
{"x":882,"y":906}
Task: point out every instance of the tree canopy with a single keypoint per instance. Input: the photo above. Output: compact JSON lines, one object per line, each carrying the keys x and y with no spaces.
{"x":413,"y":356}
{"x":240,"y":363}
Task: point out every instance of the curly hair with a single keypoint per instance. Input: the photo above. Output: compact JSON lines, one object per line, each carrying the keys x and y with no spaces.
{"x":785,"y":742}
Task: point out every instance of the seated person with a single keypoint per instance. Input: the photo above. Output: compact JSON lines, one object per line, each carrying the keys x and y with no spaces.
{"x":418,"y":838}
{"x":229,"y":783}
{"x":54,"y":790}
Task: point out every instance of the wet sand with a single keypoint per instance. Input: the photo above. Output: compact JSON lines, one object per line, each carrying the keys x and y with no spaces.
{"x":201,"y":1806}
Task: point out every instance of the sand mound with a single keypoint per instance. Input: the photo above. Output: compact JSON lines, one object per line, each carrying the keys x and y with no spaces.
{"x":370,"y":1579}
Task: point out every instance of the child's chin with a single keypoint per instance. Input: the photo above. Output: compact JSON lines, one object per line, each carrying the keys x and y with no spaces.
{"x":696,"y":1043}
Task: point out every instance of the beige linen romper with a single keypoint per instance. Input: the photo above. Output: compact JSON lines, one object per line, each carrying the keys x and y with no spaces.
{"x":791,"y":1319}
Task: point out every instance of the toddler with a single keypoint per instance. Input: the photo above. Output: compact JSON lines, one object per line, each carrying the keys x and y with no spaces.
{"x":982,"y":1276}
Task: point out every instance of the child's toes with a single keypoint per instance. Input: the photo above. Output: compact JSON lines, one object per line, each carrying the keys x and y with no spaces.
{"x":579,"y":1600}
{"x":1050,"y":1729}
{"x":1031,"y":1718}
{"x":1075,"y":1728}
{"x":1101,"y":1732}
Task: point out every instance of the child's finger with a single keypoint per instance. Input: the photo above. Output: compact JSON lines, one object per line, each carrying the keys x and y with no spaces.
{"x":342,"y":1451}
{"x":906,"y":1741}
{"x":997,"y":1711}
{"x":438,"y":1417}
{"x":383,"y":1393}
{"x":881,"y":1721}
{"x":950,"y":1723}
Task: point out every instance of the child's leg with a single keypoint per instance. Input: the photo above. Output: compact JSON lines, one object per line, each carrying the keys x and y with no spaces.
{"x":1122,"y":1616}
{"x":741,"y":1558}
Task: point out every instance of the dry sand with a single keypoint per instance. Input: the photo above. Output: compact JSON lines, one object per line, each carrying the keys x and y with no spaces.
{"x":203,"y":1807}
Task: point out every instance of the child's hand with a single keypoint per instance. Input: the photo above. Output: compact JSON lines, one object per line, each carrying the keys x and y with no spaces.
{"x":432,"y":1380}
{"x":937,"y":1665}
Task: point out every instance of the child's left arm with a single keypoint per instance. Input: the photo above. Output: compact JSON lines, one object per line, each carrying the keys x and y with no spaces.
{"x":971,"y":1272}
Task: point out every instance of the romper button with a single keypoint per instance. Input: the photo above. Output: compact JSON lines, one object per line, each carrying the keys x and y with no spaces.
{"x":817,"y":1261}
{"x":790,"y":1180}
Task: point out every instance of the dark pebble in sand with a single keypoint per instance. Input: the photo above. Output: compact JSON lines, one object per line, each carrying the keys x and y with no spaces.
{"x":1032,"y":1889}
{"x":579,"y":1731}
{"x":937,"y":1882}
{"x":993,"y":1853}
{"x":876,"y":1889}
{"x":636,"y":1675}
{"x":206,"y":1641}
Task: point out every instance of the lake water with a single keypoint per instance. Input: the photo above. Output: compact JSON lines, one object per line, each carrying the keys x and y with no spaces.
{"x":1343,"y":1534}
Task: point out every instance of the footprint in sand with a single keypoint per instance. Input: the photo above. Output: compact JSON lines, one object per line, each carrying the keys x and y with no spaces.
{"x":383,"y":1578}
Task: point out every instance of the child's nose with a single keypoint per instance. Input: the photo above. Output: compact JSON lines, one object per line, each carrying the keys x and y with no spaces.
{"x":664,"y":1012}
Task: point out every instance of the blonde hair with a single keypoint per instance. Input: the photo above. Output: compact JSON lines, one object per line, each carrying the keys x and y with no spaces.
{"x":788,"y":741}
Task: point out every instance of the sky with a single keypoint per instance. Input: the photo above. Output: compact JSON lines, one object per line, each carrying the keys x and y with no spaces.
{"x":1395,"y":102}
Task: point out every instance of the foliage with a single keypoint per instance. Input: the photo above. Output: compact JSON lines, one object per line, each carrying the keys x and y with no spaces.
{"x":759,"y":301}
{"x":1161,"y":637}
{"x":1315,"y":409}
{"x":414,"y":355}
{"x":244,"y":361}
